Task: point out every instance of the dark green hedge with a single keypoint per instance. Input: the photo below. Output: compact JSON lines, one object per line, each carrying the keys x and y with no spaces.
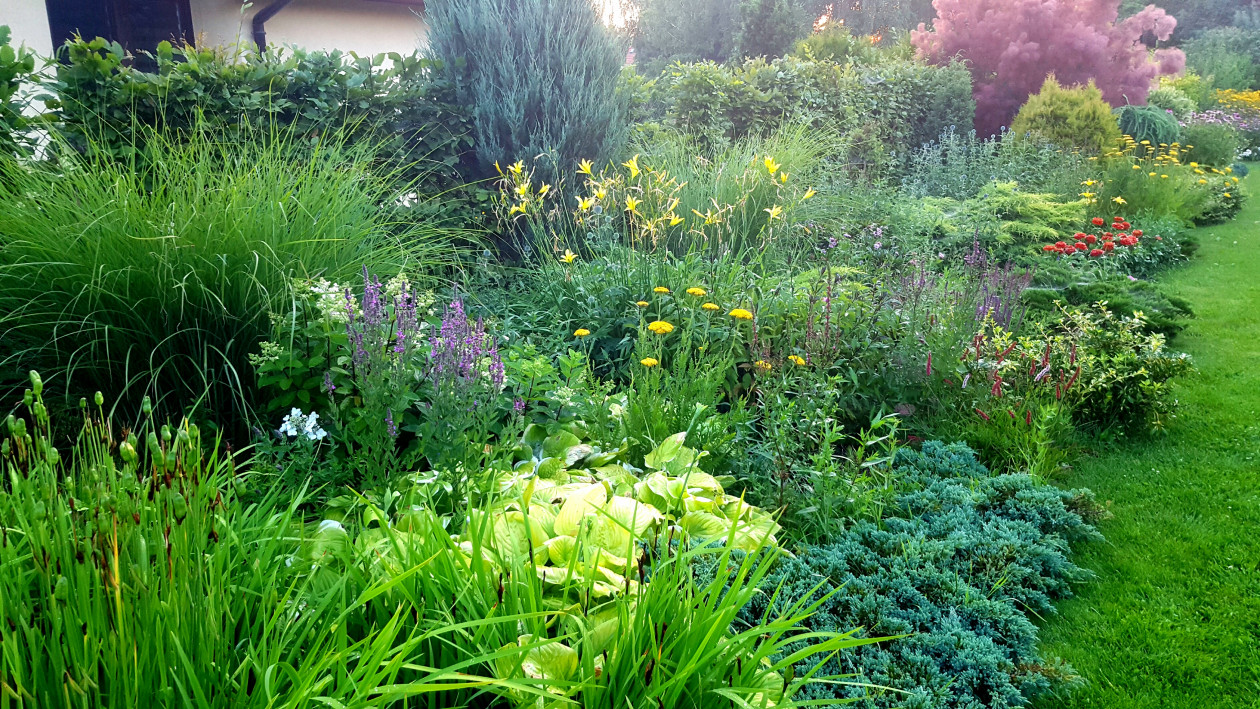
{"x":908,"y":104}
{"x":401,"y":103}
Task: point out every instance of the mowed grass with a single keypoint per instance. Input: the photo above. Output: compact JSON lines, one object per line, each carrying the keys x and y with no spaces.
{"x":1173,"y":618}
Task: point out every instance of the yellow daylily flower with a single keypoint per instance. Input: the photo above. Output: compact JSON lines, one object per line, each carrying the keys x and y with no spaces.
{"x":569,"y":256}
{"x":544,"y":189}
{"x":633,"y":166}
{"x":771,"y":165}
{"x":809,"y":193}
{"x":584,"y":168}
{"x":674,"y":219}
{"x":584,"y":203}
{"x":774,"y":211}
{"x":632,"y":205}
{"x":1119,"y":200}
{"x":517,"y":167}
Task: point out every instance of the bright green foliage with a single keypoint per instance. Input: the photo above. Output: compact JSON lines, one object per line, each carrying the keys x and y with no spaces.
{"x":1073,"y":117}
{"x":1168,"y":97}
{"x":16,"y":66}
{"x":579,"y":511}
{"x":162,"y":272}
{"x":1174,"y":548}
{"x":1148,"y":123}
{"x":1199,"y":88}
{"x":540,"y":77}
{"x":1012,"y":217}
{"x":1214,"y":144}
{"x":405,"y":109}
{"x":769,"y":28}
{"x":837,"y":44}
{"x":1227,"y":54}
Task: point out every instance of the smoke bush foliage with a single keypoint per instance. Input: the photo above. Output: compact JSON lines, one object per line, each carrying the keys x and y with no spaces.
{"x":958,"y":565}
{"x":1012,"y":45}
{"x":539,"y":75}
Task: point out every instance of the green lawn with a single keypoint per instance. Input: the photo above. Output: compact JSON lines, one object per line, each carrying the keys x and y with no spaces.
{"x":1173,"y":618}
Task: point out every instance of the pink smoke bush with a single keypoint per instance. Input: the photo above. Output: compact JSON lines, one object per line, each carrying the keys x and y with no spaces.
{"x":1013,"y":45}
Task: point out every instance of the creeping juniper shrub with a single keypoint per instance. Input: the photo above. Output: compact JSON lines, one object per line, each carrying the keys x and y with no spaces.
{"x":961,"y":560}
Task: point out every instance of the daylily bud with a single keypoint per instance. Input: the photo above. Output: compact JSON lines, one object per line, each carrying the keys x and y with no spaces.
{"x":100,"y":398}
{"x":146,"y":406}
{"x":36,"y":383}
{"x":166,"y":433}
{"x":128,"y":452}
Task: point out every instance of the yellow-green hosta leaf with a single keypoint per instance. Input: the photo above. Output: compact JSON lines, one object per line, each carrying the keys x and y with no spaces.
{"x":603,"y":532}
{"x":654,"y":490}
{"x":580,"y":504}
{"x":544,"y":515}
{"x":635,"y":516}
{"x":552,"y":469}
{"x":667,"y":451}
{"x":553,"y":660}
{"x":698,"y":480}
{"x":560,"y":550}
{"x":704,"y":525}
{"x":510,"y":534}
{"x":557,"y":446}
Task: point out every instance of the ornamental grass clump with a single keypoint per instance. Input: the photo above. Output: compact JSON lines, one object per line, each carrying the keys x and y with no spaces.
{"x":160,"y":276}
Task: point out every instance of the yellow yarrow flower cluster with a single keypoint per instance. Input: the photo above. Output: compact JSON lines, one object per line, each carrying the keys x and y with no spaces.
{"x":660,"y":327}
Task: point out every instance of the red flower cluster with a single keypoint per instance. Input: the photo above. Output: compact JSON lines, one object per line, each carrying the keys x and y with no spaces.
{"x":1094,"y":246}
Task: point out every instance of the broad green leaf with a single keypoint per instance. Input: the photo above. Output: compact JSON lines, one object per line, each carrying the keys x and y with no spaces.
{"x":579,"y":505}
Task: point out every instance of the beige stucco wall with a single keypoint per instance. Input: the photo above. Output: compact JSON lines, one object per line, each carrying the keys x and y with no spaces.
{"x":28,"y":19}
{"x":360,"y":26}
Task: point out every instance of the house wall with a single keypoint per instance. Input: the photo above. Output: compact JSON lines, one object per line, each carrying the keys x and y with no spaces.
{"x":28,"y":19}
{"x":361,"y":26}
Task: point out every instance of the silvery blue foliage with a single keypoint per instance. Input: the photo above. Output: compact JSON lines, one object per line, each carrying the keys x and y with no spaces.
{"x":957,"y":568}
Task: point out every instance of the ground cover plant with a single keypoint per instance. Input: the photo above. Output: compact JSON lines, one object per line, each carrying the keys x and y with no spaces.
{"x":519,"y":376}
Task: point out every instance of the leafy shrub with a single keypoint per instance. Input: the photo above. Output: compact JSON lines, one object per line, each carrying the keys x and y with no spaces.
{"x":875,"y":17}
{"x":1148,"y":123}
{"x":907,"y":103}
{"x":1227,"y":54}
{"x":1070,"y":117}
{"x":17,"y":65}
{"x":1164,"y":314}
{"x":1168,"y":97}
{"x":160,"y":274}
{"x":540,"y":78}
{"x":838,"y":44}
{"x":959,"y":165}
{"x":1198,"y":88}
{"x":1081,"y":42}
{"x":421,"y":135}
{"x":960,"y":560}
{"x":1214,"y":144}
{"x":685,"y":30}
{"x":769,"y":28}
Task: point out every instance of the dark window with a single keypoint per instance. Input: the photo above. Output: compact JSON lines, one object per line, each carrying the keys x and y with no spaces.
{"x":138,"y":25}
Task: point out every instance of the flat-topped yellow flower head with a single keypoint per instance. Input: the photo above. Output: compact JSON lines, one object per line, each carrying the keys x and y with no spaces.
{"x":741,"y":314}
{"x":660,"y":327}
